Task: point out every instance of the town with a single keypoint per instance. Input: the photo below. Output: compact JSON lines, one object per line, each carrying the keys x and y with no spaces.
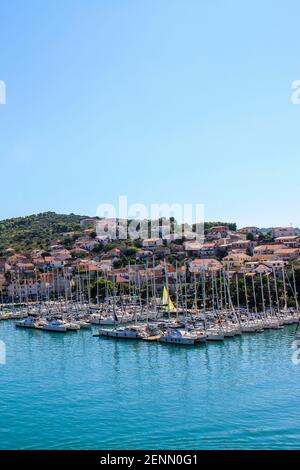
{"x":235,"y":276}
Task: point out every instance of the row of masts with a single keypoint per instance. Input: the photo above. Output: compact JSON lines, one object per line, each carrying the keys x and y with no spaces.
{"x":213,"y":290}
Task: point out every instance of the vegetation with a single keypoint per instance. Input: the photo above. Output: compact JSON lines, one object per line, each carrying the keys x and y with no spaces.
{"x":23,"y":234}
{"x":208,"y":225}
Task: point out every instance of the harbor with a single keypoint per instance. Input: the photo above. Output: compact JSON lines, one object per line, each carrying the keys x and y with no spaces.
{"x":210,"y":307}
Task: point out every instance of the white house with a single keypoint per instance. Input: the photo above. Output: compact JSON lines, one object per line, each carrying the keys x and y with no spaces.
{"x":201,"y":265}
{"x":285,"y":232}
{"x":151,"y":243}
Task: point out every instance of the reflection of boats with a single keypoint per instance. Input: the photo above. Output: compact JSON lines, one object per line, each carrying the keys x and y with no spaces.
{"x":27,"y":323}
{"x":128,"y":332}
{"x":297,"y":332}
{"x":55,"y":326}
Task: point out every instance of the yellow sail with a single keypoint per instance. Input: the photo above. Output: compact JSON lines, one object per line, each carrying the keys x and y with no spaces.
{"x":167,"y":302}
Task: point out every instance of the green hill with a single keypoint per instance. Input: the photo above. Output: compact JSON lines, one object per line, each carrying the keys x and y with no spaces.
{"x":23,"y":234}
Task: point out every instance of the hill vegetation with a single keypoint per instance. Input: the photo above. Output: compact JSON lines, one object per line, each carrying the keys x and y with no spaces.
{"x":24,"y":234}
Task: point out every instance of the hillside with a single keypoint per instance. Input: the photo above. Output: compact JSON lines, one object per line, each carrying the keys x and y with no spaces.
{"x":36,"y":231}
{"x":23,"y":234}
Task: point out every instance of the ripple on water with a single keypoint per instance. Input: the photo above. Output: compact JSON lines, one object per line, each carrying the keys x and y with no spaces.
{"x":76,"y":391}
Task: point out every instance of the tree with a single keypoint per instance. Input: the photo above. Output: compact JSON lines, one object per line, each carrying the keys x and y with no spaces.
{"x":250,"y":236}
{"x":131,"y":251}
{"x":68,"y":242}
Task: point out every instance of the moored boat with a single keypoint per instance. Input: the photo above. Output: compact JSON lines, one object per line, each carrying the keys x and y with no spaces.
{"x":56,"y":326}
{"x":28,"y":322}
{"x":129,"y":332}
{"x":179,"y":337}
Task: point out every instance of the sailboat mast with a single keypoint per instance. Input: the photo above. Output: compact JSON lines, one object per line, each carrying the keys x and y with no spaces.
{"x":295,"y":288}
{"x":284,"y":288}
{"x":262,"y":293}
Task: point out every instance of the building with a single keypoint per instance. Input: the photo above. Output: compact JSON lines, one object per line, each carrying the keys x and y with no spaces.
{"x":220,"y":231}
{"x":47,"y":285}
{"x":201,"y":265}
{"x":192,"y":247}
{"x":287,"y":254}
{"x":207,"y":250}
{"x":253,"y":230}
{"x":88,"y":244}
{"x":61,"y":254}
{"x":242,"y":245}
{"x":26,"y":268}
{"x":151,"y":243}
{"x":235,"y":260}
{"x":290,"y":242}
{"x":113,"y":254}
{"x":52,"y":262}
{"x":266,"y":249}
{"x":284,"y":232}
{"x":262,"y":269}
{"x":143,"y":254}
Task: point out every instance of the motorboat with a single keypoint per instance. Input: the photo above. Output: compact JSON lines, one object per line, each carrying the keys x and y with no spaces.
{"x":71,"y":326}
{"x":103,"y":320}
{"x":179,"y":337}
{"x":28,"y":322}
{"x":128,"y":332}
{"x":56,"y":326}
{"x":214,"y":334}
{"x":84,"y":324}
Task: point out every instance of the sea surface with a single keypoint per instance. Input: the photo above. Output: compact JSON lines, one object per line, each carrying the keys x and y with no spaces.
{"x":76,"y":391}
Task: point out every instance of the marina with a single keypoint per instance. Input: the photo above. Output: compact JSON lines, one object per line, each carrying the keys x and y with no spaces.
{"x":188,"y":309}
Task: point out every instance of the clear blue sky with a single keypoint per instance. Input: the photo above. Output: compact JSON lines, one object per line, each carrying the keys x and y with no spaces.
{"x":160,"y":100}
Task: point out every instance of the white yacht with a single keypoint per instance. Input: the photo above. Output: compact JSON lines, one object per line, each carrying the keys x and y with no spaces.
{"x":123,"y":332}
{"x":252,"y":326}
{"x":55,"y":326}
{"x":84,"y":324}
{"x":179,"y":337}
{"x":106,"y":320}
{"x":27,"y":323}
{"x":214,"y":334}
{"x":71,"y":326}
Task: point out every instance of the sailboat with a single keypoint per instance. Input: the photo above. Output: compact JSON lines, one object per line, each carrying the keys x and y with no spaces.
{"x":167,"y":303}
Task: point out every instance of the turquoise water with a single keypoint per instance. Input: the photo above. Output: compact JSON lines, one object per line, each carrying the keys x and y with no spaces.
{"x":76,"y":391}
